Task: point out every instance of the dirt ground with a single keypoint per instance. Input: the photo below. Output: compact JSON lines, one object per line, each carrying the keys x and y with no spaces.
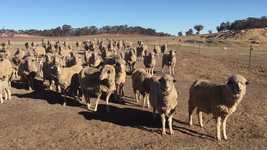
{"x":37,"y":120}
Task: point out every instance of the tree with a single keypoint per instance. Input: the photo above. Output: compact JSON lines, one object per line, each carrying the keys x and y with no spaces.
{"x":180,"y":33}
{"x":210,"y":31}
{"x":66,"y":29}
{"x":189,"y":32}
{"x":198,"y":28}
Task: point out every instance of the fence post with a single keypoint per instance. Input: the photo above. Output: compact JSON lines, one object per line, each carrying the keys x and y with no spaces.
{"x":250,"y":53}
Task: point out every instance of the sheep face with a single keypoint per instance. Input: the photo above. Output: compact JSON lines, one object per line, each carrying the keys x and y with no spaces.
{"x":237,"y":84}
{"x":166,"y":83}
{"x":172,"y":53}
{"x":108,"y":72}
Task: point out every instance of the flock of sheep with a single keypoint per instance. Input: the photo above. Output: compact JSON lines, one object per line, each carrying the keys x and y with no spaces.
{"x":101,"y":66}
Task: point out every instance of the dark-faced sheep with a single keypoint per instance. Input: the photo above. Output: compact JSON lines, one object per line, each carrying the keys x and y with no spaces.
{"x":170,"y":61}
{"x":221,"y":100}
{"x":163,"y":99}
{"x":150,"y":62}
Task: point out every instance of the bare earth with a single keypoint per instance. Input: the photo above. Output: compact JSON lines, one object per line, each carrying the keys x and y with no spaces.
{"x":38,"y":120}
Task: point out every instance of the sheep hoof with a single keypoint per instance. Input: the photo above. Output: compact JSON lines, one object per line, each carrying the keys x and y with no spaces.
{"x":163,"y":133}
{"x":171,"y":132}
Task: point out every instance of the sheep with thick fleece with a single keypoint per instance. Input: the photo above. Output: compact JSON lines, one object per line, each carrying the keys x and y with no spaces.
{"x":163,"y":99}
{"x":98,"y":81}
{"x":141,"y":85}
{"x":64,"y":78}
{"x":221,"y":100}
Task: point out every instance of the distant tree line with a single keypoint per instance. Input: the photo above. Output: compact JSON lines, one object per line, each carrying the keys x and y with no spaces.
{"x":249,"y":23}
{"x":68,"y":30}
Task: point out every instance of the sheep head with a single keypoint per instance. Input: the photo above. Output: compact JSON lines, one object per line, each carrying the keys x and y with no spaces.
{"x":166,"y":83}
{"x":237,"y":84}
{"x":108,"y":72}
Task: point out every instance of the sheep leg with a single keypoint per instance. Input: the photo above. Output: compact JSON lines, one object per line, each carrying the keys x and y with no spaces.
{"x":200,"y":118}
{"x":137,"y":97}
{"x":5,"y":94}
{"x":170,"y":70}
{"x":8,"y":94}
{"x":191,"y":110}
{"x":1,"y":97}
{"x":170,"y":124}
{"x":219,"y":128}
{"x":107,"y":101}
{"x":163,"y":123}
{"x":224,"y":127}
{"x":64,"y":97}
{"x":97,"y":101}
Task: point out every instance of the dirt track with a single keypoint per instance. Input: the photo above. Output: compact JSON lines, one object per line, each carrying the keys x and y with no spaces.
{"x":38,"y":121}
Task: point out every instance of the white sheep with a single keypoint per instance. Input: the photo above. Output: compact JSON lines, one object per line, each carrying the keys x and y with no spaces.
{"x":92,"y":79}
{"x":163,"y":99}
{"x":221,"y":100}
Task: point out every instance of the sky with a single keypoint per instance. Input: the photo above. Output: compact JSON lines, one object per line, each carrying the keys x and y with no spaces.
{"x":170,"y":16}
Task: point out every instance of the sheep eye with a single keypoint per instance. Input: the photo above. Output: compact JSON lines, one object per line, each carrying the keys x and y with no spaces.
{"x":108,"y":71}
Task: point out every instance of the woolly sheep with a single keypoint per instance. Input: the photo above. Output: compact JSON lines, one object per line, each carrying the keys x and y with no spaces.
{"x":221,"y":100}
{"x":99,"y":81}
{"x":141,"y":85}
{"x":163,"y":99}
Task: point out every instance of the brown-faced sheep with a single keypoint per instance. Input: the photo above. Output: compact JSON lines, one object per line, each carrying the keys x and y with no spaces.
{"x":221,"y":100}
{"x":163,"y":99}
{"x":120,"y":77}
{"x":170,"y":61}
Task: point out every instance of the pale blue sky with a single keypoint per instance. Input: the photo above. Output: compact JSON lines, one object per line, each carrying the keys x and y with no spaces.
{"x":169,"y":16}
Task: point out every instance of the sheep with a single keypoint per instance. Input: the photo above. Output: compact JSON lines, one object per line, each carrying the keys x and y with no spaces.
{"x":70,"y":60}
{"x":4,"y":88}
{"x":99,"y":81}
{"x":164,"y":48}
{"x":150,"y":62}
{"x":170,"y":61}
{"x":94,"y":60}
{"x":141,"y":85}
{"x":140,"y":51}
{"x":157,"y":49}
{"x":163,"y":99}
{"x":28,"y":70}
{"x":120,"y":77}
{"x":221,"y":100}
{"x":130,"y":58}
{"x":16,"y":59}
{"x":64,"y":78}
{"x":6,"y":69}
